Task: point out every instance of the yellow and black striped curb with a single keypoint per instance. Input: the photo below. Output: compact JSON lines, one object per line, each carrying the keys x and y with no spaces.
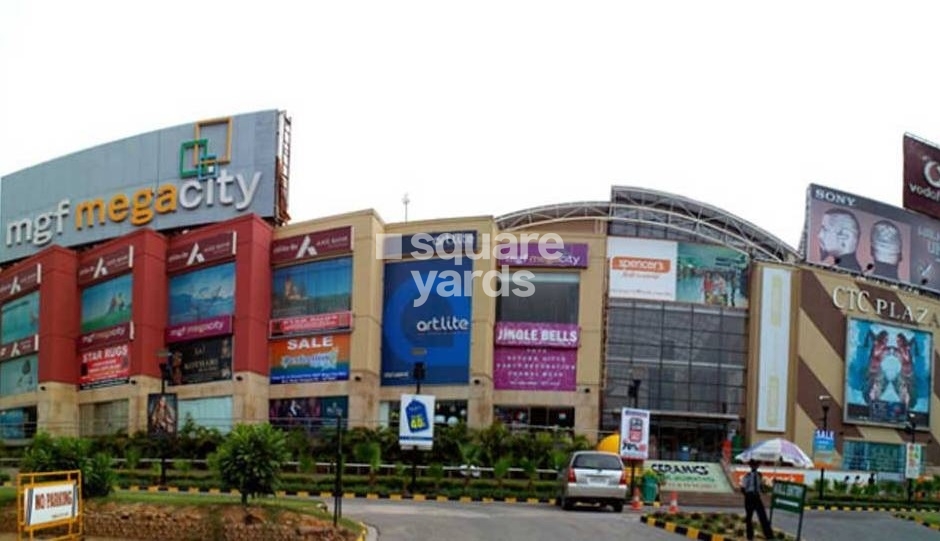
{"x":919,"y":521}
{"x":363,"y":532}
{"x":691,"y":533}
{"x":866,"y":508}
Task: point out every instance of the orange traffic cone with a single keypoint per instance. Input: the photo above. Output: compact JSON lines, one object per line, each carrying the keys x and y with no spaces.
{"x":673,"y":504}
{"x":637,"y":505}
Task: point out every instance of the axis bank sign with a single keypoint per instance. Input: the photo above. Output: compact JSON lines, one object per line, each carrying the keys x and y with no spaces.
{"x":188,"y":175}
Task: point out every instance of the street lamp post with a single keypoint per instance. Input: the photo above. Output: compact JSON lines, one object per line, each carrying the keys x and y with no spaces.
{"x":634,"y":393}
{"x":824,"y":401}
{"x":911,"y":427}
{"x":164,"y":376}
{"x":418,"y":374}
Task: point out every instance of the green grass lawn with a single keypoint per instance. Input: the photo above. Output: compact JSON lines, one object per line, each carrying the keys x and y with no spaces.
{"x":929,"y":518}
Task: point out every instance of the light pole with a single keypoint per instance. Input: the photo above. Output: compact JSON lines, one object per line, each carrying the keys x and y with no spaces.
{"x":419,"y":374}
{"x":911,"y":428}
{"x":824,"y":401}
{"x":634,"y":393}
{"x":164,"y":376}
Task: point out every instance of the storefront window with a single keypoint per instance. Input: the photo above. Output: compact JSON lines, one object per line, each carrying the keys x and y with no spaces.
{"x":103,"y":418}
{"x":555,"y":299}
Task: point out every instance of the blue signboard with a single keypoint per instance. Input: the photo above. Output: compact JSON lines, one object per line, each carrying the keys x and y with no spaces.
{"x":19,"y":318}
{"x":202,"y":294}
{"x":426,"y":317}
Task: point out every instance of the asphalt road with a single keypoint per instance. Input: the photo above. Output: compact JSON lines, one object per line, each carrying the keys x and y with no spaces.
{"x":450,"y":521}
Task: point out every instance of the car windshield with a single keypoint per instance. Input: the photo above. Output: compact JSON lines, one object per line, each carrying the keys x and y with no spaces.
{"x":597,"y":462}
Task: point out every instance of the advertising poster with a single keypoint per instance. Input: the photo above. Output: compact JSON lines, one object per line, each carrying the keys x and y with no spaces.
{"x":308,"y":245}
{"x":913,"y":456}
{"x":18,"y":423}
{"x":19,"y":375}
{"x":642,"y":268}
{"x":19,"y":318}
{"x":887,"y":373}
{"x":426,"y":317}
{"x":201,"y":361}
{"x":546,"y":335}
{"x":534,"y":369}
{"x":107,"y":304}
{"x":773,"y":354}
{"x":824,"y":449}
{"x":320,"y":287}
{"x":415,"y":422}
{"x":305,"y":359}
{"x":102,"y":367}
{"x":713,"y":275}
{"x":162,"y":414}
{"x":634,"y":434}
{"x":309,"y":413}
{"x":202,"y":294}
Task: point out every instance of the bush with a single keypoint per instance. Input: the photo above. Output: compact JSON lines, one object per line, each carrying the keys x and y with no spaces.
{"x":250,"y":460}
{"x":48,"y":454}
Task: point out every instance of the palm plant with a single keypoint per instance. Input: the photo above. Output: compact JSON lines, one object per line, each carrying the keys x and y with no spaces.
{"x":369,"y":452}
{"x":501,"y":469}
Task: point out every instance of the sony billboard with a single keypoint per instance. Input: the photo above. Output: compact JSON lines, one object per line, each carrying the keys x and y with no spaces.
{"x":187,"y":175}
{"x":868,"y":237}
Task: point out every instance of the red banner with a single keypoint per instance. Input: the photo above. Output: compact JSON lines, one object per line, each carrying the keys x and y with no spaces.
{"x":20,"y":282}
{"x":112,"y":335}
{"x":92,"y":269}
{"x":105,"y":366}
{"x":19,"y":348}
{"x":307,"y":324}
{"x":320,"y":243}
{"x":201,"y":251}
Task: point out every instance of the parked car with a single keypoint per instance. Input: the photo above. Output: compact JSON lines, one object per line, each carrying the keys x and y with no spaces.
{"x":594,"y":477}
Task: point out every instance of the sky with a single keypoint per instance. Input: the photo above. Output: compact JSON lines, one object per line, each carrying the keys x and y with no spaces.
{"x":487,"y":108}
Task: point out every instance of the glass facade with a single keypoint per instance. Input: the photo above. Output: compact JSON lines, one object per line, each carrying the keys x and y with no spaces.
{"x":103,"y":418}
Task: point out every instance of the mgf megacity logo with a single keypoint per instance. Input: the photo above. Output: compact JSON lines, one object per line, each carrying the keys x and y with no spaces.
{"x":509,"y":250}
{"x":213,"y":170}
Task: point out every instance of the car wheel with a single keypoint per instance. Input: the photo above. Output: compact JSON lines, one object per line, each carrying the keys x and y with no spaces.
{"x":558,"y":501}
{"x":617,"y":507}
{"x":567,"y":504}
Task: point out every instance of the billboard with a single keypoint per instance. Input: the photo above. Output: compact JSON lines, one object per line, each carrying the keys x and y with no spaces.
{"x":192,"y":174}
{"x":318,"y":287}
{"x":634,"y":434}
{"x":18,"y":423}
{"x":19,"y":318}
{"x":19,"y":375}
{"x":105,"y":366}
{"x":304,"y":359}
{"x":308,"y":245}
{"x":864,"y":236}
{"x":310,"y":413}
{"x":415,"y":426}
{"x":201,"y":361}
{"x":773,"y":350}
{"x":107,"y":304}
{"x":664,"y":270}
{"x":921,"y":176}
{"x":888,"y":373}
{"x":202,"y":294}
{"x":534,"y":369}
{"x":436,"y":331}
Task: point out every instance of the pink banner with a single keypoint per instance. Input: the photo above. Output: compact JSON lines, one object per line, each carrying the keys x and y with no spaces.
{"x":547,"y":335}
{"x":215,"y":326}
{"x":534,"y":369}
{"x":112,"y":335}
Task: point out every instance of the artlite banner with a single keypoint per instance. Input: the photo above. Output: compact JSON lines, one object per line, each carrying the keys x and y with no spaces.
{"x":534,"y":369}
{"x":545,"y":335}
{"x":104,"y":367}
{"x":310,"y":358}
{"x":571,"y":255}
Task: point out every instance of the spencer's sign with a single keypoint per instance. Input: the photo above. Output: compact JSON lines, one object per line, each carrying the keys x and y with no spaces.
{"x":193,"y":174}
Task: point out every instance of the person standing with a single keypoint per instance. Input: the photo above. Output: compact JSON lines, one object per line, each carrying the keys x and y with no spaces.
{"x":751,"y":486}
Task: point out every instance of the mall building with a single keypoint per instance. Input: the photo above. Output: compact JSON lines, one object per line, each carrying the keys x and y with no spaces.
{"x":175,"y":249}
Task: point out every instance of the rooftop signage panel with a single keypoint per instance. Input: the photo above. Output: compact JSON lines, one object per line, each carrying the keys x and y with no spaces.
{"x":184,"y":176}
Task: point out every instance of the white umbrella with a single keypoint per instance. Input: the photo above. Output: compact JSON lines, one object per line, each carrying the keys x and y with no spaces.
{"x":776,"y":450}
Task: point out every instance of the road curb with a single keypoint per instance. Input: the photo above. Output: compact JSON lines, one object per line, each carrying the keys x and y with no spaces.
{"x":867,"y":508}
{"x":918,"y":521}
{"x":691,"y":533}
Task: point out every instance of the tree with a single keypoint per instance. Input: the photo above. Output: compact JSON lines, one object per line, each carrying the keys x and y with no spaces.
{"x":369,"y":452}
{"x":48,"y":454}
{"x":250,"y":460}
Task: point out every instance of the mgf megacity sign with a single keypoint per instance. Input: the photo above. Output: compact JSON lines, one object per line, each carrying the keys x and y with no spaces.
{"x":192,"y":174}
